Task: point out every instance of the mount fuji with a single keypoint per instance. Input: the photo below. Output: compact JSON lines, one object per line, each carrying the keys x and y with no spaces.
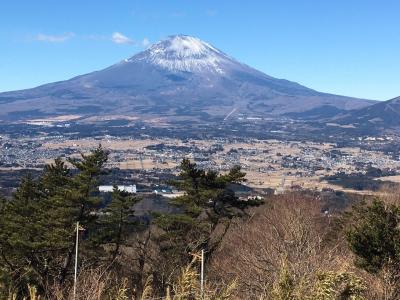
{"x":179,"y":76}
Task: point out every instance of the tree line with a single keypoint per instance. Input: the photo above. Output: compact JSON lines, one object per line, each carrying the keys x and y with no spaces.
{"x":280,"y":248}
{"x":37,"y":227}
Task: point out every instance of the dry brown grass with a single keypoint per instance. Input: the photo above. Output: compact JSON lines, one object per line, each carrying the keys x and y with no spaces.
{"x":390,"y":195}
{"x":287,"y":245}
{"x":286,"y":250}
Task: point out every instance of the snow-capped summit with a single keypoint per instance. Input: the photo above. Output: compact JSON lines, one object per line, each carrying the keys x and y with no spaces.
{"x":179,"y":76}
{"x":184,"y":53}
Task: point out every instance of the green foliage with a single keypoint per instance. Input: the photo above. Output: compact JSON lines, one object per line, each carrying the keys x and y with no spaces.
{"x":37,"y":225}
{"x":84,"y":183}
{"x":375,"y":236}
{"x":116,"y":221}
{"x":321,"y":286}
{"x":285,"y":287}
{"x":209,"y":191}
{"x":208,"y":201}
{"x":332,"y":285}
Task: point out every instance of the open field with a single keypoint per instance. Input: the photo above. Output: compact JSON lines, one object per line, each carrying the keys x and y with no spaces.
{"x":390,"y":178}
{"x":268,"y":163}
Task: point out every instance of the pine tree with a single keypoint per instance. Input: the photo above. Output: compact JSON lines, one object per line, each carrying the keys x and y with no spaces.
{"x":21,"y":234}
{"x":208,"y":201}
{"x":117,"y":220}
{"x":37,"y":225}
{"x":375,"y":236}
{"x":83,"y":202}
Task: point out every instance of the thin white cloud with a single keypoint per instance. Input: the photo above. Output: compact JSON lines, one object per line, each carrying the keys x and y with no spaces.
{"x":145,"y":42}
{"x":116,"y":37}
{"x":119,"y":38}
{"x":54,"y":38}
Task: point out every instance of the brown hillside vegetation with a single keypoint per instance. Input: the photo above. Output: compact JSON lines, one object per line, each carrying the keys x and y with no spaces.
{"x":286,"y":247}
{"x":289,"y":250}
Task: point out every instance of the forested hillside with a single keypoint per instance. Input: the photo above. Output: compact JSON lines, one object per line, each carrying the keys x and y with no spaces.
{"x":283,"y":247}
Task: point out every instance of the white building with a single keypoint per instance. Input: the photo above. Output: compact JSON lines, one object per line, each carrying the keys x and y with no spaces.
{"x":122,"y":188}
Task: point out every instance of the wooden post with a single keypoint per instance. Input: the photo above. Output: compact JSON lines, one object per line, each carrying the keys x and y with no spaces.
{"x":76,"y":258}
{"x":202,"y":275}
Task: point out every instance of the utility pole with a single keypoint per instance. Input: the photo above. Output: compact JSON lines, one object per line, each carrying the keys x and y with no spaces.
{"x":76,"y":258}
{"x":202,"y":274}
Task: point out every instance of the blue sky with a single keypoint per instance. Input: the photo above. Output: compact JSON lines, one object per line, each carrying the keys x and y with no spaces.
{"x":347,"y":47}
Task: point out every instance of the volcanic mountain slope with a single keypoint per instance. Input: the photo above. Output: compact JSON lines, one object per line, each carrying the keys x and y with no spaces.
{"x":385,"y":114}
{"x":180,"y":76}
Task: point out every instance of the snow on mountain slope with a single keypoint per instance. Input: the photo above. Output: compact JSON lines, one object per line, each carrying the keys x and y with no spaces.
{"x":184,"y":54}
{"x":181,"y":75}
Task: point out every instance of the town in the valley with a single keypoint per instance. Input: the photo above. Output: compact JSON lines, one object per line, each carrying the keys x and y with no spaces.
{"x":272,"y":164}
